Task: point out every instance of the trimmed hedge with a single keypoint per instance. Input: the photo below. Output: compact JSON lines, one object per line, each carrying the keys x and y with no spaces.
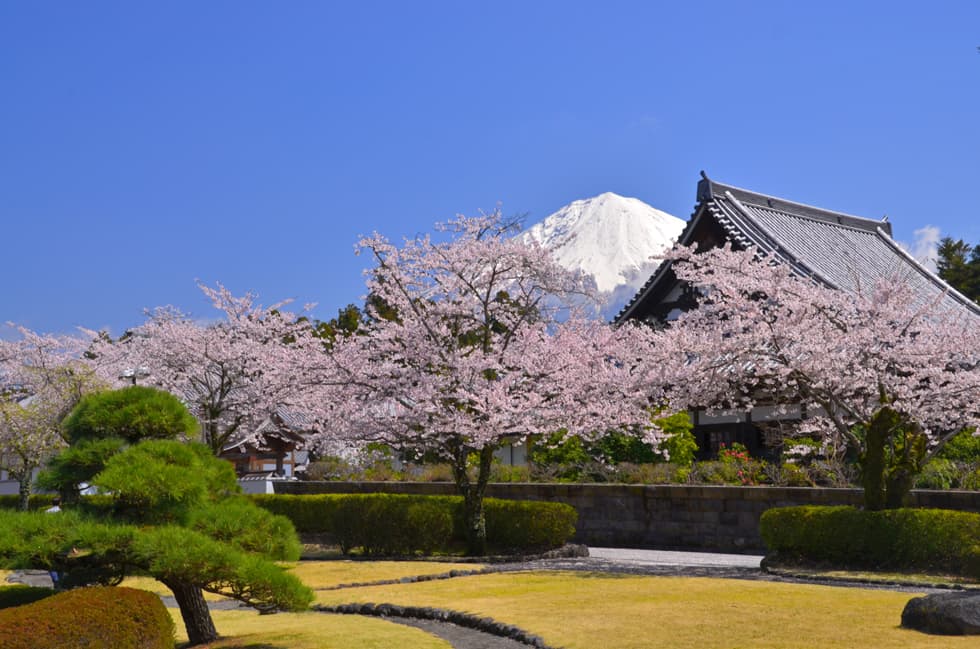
{"x":90,"y":618}
{"x":896,"y":539}
{"x":37,"y":501}
{"x":396,"y":524}
{"x":18,"y":595}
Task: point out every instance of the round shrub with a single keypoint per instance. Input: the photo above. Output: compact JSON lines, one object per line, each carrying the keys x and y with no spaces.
{"x":89,"y":618}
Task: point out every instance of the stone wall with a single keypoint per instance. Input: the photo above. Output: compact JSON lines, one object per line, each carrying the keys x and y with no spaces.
{"x":706,"y":518}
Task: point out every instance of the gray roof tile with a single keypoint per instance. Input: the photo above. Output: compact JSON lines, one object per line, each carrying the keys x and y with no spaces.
{"x":839,"y":250}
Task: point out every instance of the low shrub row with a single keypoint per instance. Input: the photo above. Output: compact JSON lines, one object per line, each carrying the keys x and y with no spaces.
{"x":394,"y":524}
{"x":89,"y":618}
{"x":897,"y":539}
{"x":37,"y":501}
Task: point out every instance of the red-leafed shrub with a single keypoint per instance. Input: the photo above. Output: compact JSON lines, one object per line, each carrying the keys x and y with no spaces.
{"x":89,"y":618}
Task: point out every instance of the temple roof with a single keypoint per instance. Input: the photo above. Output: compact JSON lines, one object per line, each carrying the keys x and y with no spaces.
{"x":839,"y":250}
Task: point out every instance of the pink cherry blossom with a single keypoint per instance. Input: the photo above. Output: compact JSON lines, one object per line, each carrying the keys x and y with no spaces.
{"x":762,"y":332}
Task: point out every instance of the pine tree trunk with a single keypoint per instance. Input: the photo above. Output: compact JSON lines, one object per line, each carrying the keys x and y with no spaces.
{"x":194,"y":611}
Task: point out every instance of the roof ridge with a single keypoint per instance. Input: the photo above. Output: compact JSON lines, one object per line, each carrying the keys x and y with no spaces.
{"x":778,"y":249}
{"x":709,"y":189}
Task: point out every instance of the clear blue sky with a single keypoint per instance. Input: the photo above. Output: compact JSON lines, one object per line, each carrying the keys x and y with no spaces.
{"x":143,"y":145}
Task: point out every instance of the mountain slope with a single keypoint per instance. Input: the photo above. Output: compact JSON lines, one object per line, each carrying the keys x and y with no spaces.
{"x":611,"y":238}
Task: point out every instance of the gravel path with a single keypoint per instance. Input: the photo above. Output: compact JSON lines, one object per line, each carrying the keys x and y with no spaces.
{"x":461,"y":637}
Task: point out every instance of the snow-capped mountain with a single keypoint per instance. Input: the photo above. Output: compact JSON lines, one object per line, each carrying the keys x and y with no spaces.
{"x":611,"y":238}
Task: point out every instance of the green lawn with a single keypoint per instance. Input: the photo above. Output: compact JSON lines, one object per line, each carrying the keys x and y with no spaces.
{"x":585,"y":610}
{"x":588,"y":610}
{"x":246,"y":629}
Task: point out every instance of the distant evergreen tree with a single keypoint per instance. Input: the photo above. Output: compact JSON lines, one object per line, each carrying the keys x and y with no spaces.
{"x":958,"y":263}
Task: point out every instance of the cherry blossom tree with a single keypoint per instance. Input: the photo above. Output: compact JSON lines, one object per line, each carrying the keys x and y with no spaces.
{"x":232,"y":373}
{"x":43,"y":376}
{"x":484,"y":342}
{"x":885,"y":371}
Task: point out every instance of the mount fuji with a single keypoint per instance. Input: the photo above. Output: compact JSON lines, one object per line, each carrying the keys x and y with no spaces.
{"x":611,"y":238}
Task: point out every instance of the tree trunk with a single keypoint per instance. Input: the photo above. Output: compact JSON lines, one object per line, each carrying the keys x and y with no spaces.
{"x":473,"y":517}
{"x":194,"y":611}
{"x":873,"y":460}
{"x":24,"y":490}
{"x":895,"y":451}
{"x":910,"y":449}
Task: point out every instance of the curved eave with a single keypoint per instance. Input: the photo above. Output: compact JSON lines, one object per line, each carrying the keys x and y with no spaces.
{"x":684,"y":239}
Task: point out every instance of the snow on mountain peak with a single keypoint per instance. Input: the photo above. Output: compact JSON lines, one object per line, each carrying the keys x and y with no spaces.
{"x":610,"y":237}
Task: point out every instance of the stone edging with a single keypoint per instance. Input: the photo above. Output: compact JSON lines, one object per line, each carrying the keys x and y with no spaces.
{"x":484,"y":624}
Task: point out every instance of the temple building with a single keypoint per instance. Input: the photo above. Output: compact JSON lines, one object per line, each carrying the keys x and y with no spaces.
{"x":838,"y":250}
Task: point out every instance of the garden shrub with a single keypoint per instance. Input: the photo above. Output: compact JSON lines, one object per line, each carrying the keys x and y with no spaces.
{"x":439,"y":472}
{"x":787,"y":474}
{"x":18,"y":595}
{"x":964,"y":447}
{"x":89,"y":618}
{"x":896,"y":539}
{"x":939,"y":473}
{"x":527,"y":524}
{"x":971,"y":480}
{"x":510,"y":473}
{"x":37,"y":501}
{"x":330,"y":468}
{"x":397,"y":525}
{"x":656,"y":473}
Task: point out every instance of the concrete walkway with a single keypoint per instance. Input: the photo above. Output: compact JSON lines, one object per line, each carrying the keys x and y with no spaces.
{"x":676,"y":559}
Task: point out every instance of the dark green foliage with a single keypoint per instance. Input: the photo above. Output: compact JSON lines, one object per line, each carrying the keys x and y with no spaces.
{"x":149,"y":482}
{"x":378,"y":524}
{"x":103,"y":424}
{"x":571,"y":459}
{"x":19,"y":595}
{"x":392,"y":524}
{"x":521,"y":525}
{"x":964,"y":447}
{"x":938,"y":473}
{"x":170,"y":510}
{"x":89,"y":551}
{"x":893,"y":539}
{"x":37,"y":501}
{"x":958,"y":263}
{"x":133,"y":414}
{"x":89,"y":618}
{"x":178,"y":555}
{"x":620,"y":447}
{"x":78,"y":464}
{"x":681,"y":446}
{"x":238,"y":522}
